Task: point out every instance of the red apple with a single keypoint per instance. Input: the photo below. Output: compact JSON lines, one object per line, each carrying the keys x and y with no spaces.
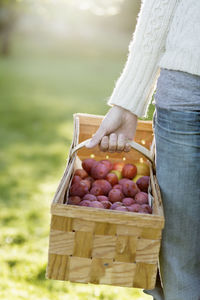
{"x":102,"y":198}
{"x":87,"y":164}
{"x":122,"y":208}
{"x":87,"y":182}
{"x":115,"y":204}
{"x":143,"y":183}
{"x":79,"y":189}
{"x":85,"y":203}
{"x":112,"y":178}
{"x":90,"y":179}
{"x":80,"y":172}
{"x":107,"y":163}
{"x":115,"y":195}
{"x":90,"y":197}
{"x":76,"y":179}
{"x":118,"y":186}
{"x":147,"y":208}
{"x":96,"y":190}
{"x":103,"y":184}
{"x":96,"y":204}
{"x":129,"y":171}
{"x":128,"y":201}
{"x":141,"y":198}
{"x":106,"y":204}
{"x":134,"y":207}
{"x":129,"y":188}
{"x":74,"y":200}
{"x":99,"y":170}
{"x":118,"y":166}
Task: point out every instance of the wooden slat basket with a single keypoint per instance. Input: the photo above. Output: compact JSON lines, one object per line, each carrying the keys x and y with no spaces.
{"x":91,"y":245}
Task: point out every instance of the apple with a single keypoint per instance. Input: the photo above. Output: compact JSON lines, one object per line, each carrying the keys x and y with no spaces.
{"x":129,"y":171}
{"x":79,"y":189}
{"x":90,"y":197}
{"x":115,"y":195}
{"x":96,"y":204}
{"x":137,"y":177}
{"x":76,"y":179}
{"x":143,"y":183}
{"x":129,"y":188}
{"x":99,"y":170}
{"x":112,"y":178}
{"x":118,"y":166}
{"x":118,"y":186}
{"x":134,"y":207}
{"x":115,"y":204}
{"x":117,"y":173}
{"x":80,"y":172}
{"x":122,"y":208}
{"x":87,"y":164}
{"x":74,"y":200}
{"x":85,"y":203}
{"x":141,"y":198}
{"x":142,"y":168}
{"x":128,"y":201}
{"x":107,"y":163}
{"x":103,"y":184}
{"x":106,"y":204}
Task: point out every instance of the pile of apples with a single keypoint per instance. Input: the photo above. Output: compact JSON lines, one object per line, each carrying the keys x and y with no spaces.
{"x":107,"y":185}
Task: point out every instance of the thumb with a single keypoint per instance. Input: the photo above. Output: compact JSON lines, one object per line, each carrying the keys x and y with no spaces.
{"x":96,"y":137}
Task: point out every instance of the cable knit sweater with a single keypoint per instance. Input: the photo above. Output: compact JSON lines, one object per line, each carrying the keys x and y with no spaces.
{"x":167,"y":35}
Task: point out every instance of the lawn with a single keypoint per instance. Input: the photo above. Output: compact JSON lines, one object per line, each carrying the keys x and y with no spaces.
{"x":39,"y":92}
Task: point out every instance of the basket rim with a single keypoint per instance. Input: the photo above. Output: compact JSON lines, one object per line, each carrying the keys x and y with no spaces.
{"x":107,"y":216}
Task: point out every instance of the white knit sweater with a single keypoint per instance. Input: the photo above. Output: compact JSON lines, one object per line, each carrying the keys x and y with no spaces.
{"x":167,"y":35}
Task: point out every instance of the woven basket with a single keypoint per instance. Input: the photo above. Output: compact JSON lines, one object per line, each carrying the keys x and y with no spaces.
{"x":91,"y":245}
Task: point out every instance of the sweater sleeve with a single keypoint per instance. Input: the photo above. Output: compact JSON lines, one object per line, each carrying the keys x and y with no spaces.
{"x":134,"y":88}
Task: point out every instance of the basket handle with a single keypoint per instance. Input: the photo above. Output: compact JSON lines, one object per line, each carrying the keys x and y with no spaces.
{"x":148,"y":154}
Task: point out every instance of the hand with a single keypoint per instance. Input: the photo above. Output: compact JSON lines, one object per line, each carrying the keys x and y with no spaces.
{"x":117,"y":126}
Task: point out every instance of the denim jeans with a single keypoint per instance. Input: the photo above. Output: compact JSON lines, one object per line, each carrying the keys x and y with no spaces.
{"x":177,"y":137}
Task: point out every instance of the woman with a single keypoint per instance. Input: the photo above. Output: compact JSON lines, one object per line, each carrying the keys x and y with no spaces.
{"x":166,"y":41}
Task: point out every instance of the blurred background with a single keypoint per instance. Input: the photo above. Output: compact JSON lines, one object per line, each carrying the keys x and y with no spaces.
{"x":57,"y":57}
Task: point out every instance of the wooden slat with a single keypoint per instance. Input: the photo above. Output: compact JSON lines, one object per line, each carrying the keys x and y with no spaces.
{"x":104,"y":246}
{"x":99,"y":267}
{"x":79,"y":269}
{"x":105,"y":228}
{"x":61,"y":242}
{"x":83,"y":225}
{"x":110,"y":216}
{"x":57,"y":267}
{"x":147,"y":250}
{"x":83,"y":244}
{"x":120,"y":274}
{"x":145,"y":275}
{"x":147,"y":233}
{"x":61,"y":223}
{"x":125,"y":248}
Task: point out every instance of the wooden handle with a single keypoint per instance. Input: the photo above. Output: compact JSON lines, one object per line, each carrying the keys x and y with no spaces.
{"x":148,"y":154}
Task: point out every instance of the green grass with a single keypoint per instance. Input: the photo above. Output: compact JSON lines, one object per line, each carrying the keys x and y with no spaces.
{"x":39,"y":94}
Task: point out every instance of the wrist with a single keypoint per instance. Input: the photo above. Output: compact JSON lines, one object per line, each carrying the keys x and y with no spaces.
{"x":125,"y":111}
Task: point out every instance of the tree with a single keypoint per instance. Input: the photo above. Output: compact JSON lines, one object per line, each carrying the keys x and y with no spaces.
{"x":10,"y":11}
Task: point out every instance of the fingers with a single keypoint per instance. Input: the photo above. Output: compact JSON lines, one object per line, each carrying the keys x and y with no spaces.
{"x":121,"y":142}
{"x":96,"y":137}
{"x":127,"y":148}
{"x":114,"y":143}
